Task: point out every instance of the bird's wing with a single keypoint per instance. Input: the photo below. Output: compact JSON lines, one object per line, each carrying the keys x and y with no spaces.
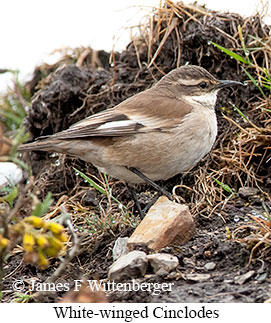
{"x":144,"y":112}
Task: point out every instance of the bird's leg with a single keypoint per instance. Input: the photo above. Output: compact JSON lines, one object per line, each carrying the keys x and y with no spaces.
{"x":134,"y":196}
{"x":150,"y":182}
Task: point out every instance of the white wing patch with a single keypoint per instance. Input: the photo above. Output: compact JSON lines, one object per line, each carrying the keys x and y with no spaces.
{"x":116,"y":124}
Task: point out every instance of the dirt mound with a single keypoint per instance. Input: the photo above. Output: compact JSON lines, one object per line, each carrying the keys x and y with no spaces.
{"x":85,"y":82}
{"x":176,"y":34}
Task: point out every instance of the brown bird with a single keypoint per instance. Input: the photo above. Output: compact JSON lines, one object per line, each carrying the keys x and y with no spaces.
{"x":153,"y":135}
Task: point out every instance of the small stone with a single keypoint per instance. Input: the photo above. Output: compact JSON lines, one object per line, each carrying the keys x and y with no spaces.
{"x":197,"y":277}
{"x":240,"y":280}
{"x":166,"y":223}
{"x":162,"y":262}
{"x":120,"y":248}
{"x":10,"y":174}
{"x":262,"y":277}
{"x":245,"y":192}
{"x":210,"y":266}
{"x":188,"y":262}
{"x":129,"y":266}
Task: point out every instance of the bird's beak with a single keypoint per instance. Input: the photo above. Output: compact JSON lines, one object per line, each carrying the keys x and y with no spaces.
{"x":227,"y":83}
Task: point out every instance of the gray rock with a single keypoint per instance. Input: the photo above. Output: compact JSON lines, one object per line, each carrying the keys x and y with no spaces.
{"x":210,"y":266}
{"x":197,"y":277}
{"x":10,"y":174}
{"x":162,"y":263}
{"x":129,"y":266}
{"x":246,"y":192}
{"x":240,"y":280}
{"x":120,"y":248}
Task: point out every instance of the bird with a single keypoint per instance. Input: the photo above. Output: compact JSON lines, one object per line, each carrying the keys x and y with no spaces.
{"x":153,"y":135}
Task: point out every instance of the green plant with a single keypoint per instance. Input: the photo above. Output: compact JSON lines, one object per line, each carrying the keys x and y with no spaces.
{"x":249,"y":62}
{"x":225,"y":187}
{"x":14,"y":103}
{"x":106,"y":190}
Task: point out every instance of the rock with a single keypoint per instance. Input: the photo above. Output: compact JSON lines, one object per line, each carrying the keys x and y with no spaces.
{"x":197,"y":277}
{"x":166,"y":223}
{"x":262,"y":277}
{"x":129,"y":266}
{"x":10,"y":174}
{"x":120,"y":248}
{"x":210,"y":266}
{"x":240,"y":280}
{"x":245,"y":192}
{"x":188,"y":262}
{"x":162,"y":262}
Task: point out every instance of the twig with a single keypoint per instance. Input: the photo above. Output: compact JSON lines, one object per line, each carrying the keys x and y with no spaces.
{"x":21,"y":200}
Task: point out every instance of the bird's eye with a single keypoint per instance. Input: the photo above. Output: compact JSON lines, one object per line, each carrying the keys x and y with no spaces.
{"x":203,"y":85}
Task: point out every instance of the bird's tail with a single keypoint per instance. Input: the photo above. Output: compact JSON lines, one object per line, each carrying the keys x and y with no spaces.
{"x":42,"y":144}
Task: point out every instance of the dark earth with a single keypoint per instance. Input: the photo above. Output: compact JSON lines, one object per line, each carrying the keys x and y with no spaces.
{"x":225,"y":283}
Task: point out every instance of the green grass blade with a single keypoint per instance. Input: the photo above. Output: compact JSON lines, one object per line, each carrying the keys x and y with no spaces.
{"x":42,"y":207}
{"x":12,"y":116}
{"x":240,"y":113}
{"x":11,"y":196}
{"x":267,"y":110}
{"x":230,"y":53}
{"x":91,"y":182}
{"x":266,"y":86}
{"x":246,"y":52}
{"x":96,"y":186}
{"x":224,"y":186}
{"x":254,"y":81}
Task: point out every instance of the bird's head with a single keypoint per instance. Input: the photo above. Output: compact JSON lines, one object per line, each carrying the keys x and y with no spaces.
{"x":192,"y":82}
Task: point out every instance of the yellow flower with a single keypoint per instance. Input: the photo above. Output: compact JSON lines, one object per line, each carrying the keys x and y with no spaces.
{"x":54,"y":227}
{"x":55,"y":243}
{"x":18,"y":228}
{"x":43,"y":262}
{"x":51,"y":252}
{"x":3,"y":242}
{"x":42,"y":241}
{"x":35,"y":221}
{"x":62,"y":237}
{"x":28,"y":242}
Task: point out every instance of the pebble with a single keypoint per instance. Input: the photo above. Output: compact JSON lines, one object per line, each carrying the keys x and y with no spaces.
{"x":246,"y":192}
{"x":120,"y":248}
{"x":10,"y":174}
{"x":210,"y":266}
{"x":197,"y":277}
{"x":240,"y":280}
{"x":131,"y":265}
{"x":162,"y":262}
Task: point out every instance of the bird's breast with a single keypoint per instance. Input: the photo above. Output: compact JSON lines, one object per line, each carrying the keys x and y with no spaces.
{"x":195,"y":136}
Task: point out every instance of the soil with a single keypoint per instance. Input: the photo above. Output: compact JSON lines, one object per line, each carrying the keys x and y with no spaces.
{"x":221,"y":248}
{"x":210,"y":244}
